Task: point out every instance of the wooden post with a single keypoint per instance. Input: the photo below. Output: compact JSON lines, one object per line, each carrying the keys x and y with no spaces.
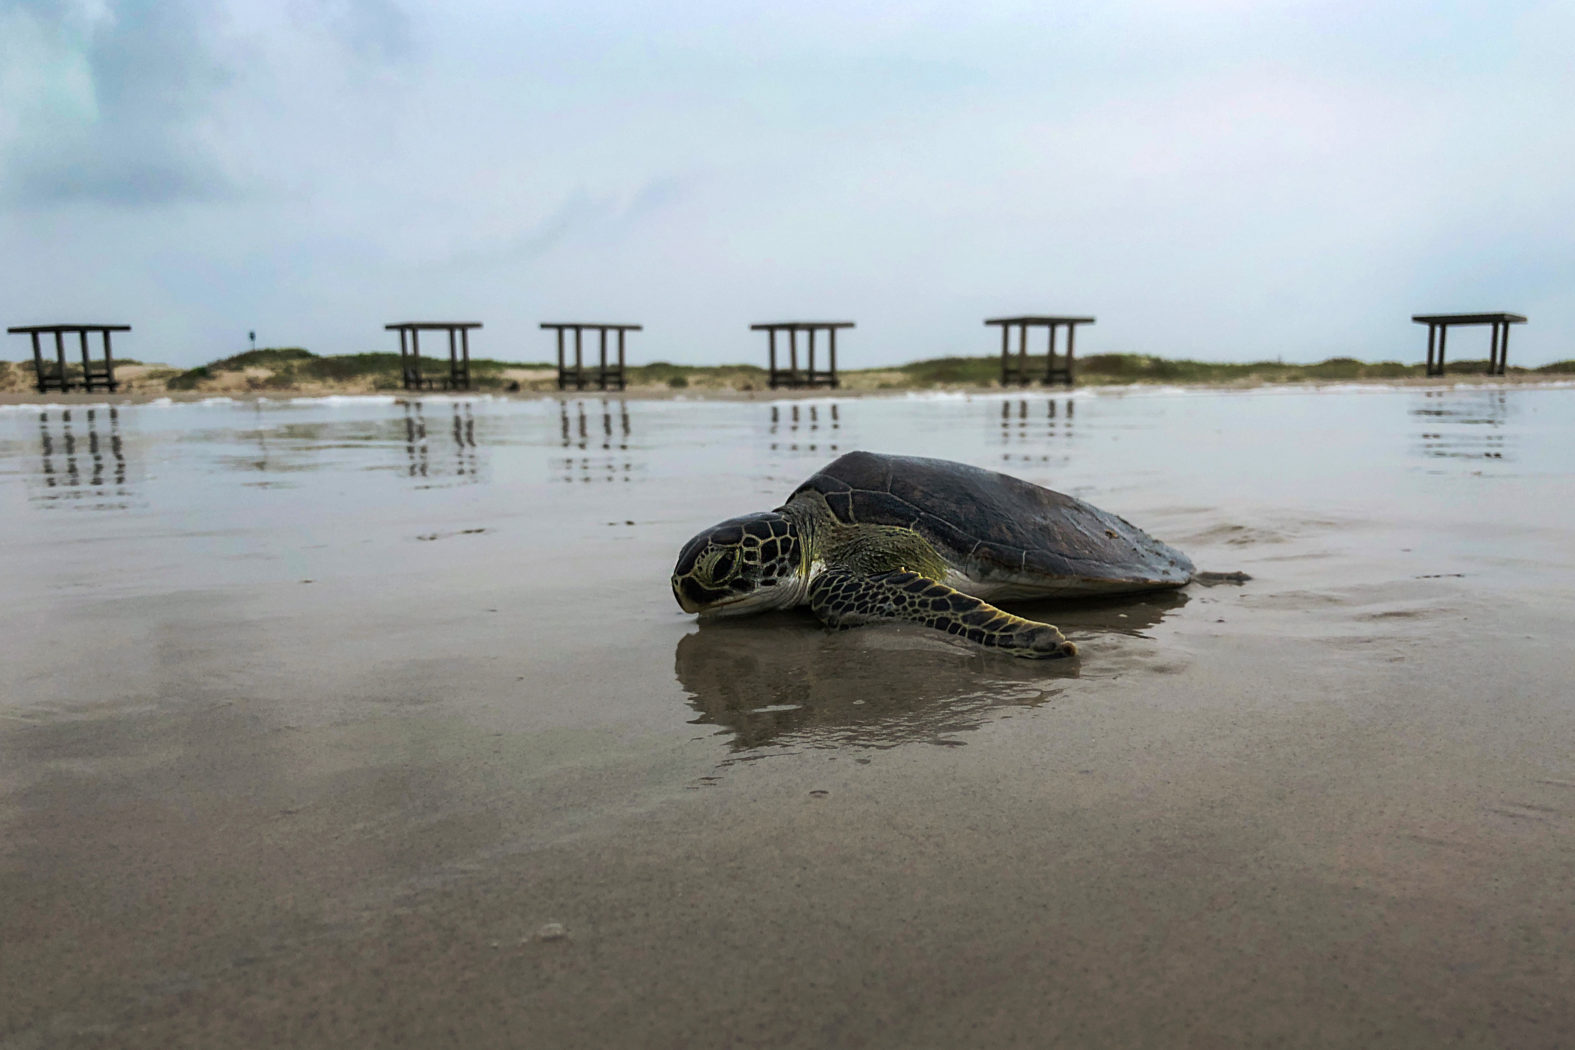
{"x":579,"y":361}
{"x":1006,"y":367}
{"x":38,"y":364}
{"x":464,"y":343}
{"x":453,"y":361}
{"x":620,"y":367}
{"x":1071,"y":336}
{"x":793,"y":354}
{"x":563,"y":380}
{"x":601,"y":373}
{"x":87,"y":373}
{"x":1503,"y":349}
{"x":1432,"y":335}
{"x":1443,"y":333}
{"x":60,"y":358}
{"x":810,"y":375}
{"x":415,"y":356}
{"x":771,"y":337}
{"x":1022,"y":353}
{"x":1050,"y":355}
{"x":833,"y":351}
{"x":109,"y":364}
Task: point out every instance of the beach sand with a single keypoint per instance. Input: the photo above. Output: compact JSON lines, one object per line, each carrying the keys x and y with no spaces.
{"x":375,"y":724}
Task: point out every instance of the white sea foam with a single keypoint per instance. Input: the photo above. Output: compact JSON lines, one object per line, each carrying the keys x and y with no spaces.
{"x":170,"y":402}
{"x":1135,"y":390}
{"x":50,"y":406}
{"x":347,"y":399}
{"x":1145,"y":390}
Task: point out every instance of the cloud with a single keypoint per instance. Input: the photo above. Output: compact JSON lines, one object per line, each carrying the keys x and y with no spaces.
{"x":105,"y":103}
{"x":374,"y":30}
{"x":604,"y":218}
{"x":126,"y":103}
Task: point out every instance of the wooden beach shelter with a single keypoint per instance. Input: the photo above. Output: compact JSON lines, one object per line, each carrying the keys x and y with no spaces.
{"x":458,"y":377}
{"x":96,"y":375}
{"x":792,"y":375}
{"x":603,"y":376}
{"x":1438,"y":326}
{"x":1015,"y":371}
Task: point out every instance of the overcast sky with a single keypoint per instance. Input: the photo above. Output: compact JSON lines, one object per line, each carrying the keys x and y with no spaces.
{"x":1220,"y":179}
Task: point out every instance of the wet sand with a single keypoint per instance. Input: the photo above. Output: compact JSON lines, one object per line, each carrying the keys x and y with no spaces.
{"x":314,"y":717}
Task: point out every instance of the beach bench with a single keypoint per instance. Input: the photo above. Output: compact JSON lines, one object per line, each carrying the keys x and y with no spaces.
{"x":792,"y":376}
{"x":1438,"y":326}
{"x":603,"y":376}
{"x":1014,"y":371}
{"x":54,"y":375}
{"x":458,"y":377}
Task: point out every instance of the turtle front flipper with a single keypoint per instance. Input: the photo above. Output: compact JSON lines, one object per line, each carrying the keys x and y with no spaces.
{"x":846,"y":599}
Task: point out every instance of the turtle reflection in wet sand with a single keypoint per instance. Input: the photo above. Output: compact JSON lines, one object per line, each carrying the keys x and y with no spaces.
{"x":874,"y":538}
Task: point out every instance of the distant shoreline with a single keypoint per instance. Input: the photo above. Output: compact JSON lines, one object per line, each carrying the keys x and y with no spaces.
{"x":722,"y":394}
{"x":289,"y":372}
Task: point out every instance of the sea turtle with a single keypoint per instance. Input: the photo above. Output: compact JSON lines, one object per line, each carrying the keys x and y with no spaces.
{"x":874,"y":537}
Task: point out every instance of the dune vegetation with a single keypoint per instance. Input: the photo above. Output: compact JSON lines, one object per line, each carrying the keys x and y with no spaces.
{"x":297,"y":370}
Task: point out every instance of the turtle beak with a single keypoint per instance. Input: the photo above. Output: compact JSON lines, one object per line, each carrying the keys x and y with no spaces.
{"x":683,"y":601}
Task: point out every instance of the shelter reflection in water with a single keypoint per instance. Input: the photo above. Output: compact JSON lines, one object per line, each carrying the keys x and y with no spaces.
{"x":457,"y":427}
{"x":780,"y":679}
{"x":806,"y":428}
{"x":601,"y":438}
{"x":1464,"y":424}
{"x":1035,"y":430}
{"x":82,"y":458}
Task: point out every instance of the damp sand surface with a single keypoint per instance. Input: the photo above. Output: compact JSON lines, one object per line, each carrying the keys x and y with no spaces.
{"x":375,"y":724}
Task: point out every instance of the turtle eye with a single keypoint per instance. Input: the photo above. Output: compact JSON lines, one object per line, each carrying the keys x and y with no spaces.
{"x":723,"y":567}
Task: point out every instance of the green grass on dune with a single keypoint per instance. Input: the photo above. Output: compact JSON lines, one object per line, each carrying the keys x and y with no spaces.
{"x":677,"y":377}
{"x":290,"y":366}
{"x":1143,"y":368}
{"x":287,"y":368}
{"x":969,"y":371}
{"x":1101,"y":369}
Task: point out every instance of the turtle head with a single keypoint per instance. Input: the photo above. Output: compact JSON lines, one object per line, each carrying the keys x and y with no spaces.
{"x":742,"y":565}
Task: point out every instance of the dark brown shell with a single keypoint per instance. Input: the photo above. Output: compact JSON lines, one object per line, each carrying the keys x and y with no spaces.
{"x":995,"y":528}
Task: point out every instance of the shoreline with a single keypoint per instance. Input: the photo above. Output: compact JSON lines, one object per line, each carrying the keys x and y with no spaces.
{"x":724,"y":394}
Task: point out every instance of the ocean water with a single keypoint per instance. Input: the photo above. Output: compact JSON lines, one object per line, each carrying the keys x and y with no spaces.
{"x":376,"y":543}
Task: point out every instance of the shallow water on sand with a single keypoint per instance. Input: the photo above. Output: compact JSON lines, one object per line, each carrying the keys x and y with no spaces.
{"x":314,"y":713}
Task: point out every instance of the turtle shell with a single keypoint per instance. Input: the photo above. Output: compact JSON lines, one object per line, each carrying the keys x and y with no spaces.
{"x":1009,"y":536}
